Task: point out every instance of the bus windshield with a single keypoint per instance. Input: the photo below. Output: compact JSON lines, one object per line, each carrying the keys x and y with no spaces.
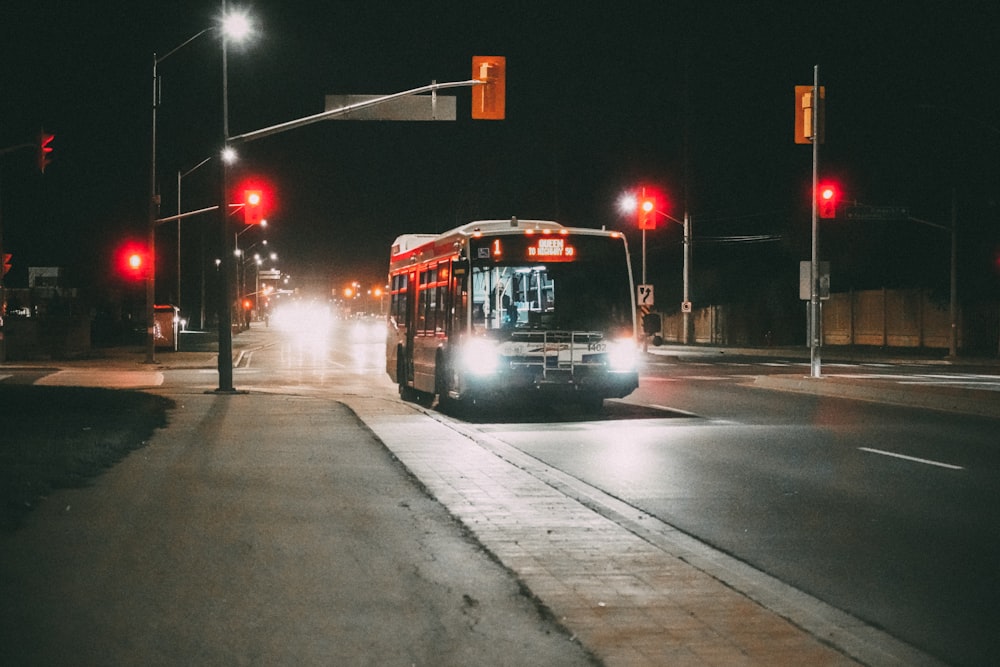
{"x":589,"y":293}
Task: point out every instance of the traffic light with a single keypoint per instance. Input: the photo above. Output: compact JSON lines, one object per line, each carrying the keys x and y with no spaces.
{"x":44,"y":149}
{"x":135,"y":264}
{"x":6,"y":263}
{"x":253,"y":207}
{"x":132,"y":261}
{"x":646,"y":211}
{"x":489,"y":98}
{"x":828,"y":196}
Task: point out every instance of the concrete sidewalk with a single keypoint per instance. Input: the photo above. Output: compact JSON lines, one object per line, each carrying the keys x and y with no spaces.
{"x":261,"y":529}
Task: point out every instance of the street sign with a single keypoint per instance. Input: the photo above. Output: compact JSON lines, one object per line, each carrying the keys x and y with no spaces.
{"x":805,"y":277}
{"x":876,"y":213}
{"x":415,"y":107}
{"x":644,"y":295}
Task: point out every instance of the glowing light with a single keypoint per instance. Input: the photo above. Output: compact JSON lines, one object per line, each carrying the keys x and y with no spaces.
{"x":237,"y":26}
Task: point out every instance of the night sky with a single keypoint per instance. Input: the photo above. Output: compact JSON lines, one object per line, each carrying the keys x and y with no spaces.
{"x":693,"y":97}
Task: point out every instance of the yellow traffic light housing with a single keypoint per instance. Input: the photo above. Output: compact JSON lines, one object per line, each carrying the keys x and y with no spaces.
{"x":805,"y":108}
{"x":490,"y":97}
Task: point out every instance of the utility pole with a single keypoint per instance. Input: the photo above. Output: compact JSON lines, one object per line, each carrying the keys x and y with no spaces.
{"x":815,"y":322}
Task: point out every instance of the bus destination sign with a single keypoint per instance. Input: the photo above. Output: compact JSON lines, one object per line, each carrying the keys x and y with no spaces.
{"x":551,"y":248}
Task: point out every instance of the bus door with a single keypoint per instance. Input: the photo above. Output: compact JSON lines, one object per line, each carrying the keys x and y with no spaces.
{"x":411,"y":327}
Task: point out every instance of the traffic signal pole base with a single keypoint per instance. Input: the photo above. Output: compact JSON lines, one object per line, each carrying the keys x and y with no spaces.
{"x":227,"y":392}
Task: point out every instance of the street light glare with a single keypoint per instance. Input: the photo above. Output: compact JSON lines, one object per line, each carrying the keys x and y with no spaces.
{"x":236,"y":26}
{"x":627,"y":203}
{"x":229,"y":155}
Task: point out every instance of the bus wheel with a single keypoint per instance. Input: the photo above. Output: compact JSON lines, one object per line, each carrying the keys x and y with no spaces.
{"x":443,"y":386}
{"x":408,"y":394}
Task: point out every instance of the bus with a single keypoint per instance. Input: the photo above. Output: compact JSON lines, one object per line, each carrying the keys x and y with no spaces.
{"x":510,"y":310}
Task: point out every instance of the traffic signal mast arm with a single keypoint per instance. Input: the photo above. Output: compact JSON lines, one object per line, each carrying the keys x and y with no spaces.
{"x":188,"y":214}
{"x":308,"y":120}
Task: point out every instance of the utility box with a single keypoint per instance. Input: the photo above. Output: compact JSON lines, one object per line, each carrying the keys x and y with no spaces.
{"x":165,"y":327}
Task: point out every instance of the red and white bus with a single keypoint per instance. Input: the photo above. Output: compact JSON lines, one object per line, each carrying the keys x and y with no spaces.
{"x":506,"y":310}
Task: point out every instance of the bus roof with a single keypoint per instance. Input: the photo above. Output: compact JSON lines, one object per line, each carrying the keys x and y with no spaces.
{"x":407,"y":244}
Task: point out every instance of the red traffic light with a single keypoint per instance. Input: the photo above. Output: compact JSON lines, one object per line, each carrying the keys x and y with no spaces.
{"x":132,"y":261}
{"x":646,"y":212}
{"x":44,"y":149}
{"x":828,"y":197}
{"x":646,"y":203}
{"x":253,"y":207}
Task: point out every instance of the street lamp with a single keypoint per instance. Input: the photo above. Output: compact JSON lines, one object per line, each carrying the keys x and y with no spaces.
{"x":237,"y":27}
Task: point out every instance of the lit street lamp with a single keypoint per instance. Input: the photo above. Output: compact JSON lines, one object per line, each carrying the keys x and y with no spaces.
{"x":240,"y":26}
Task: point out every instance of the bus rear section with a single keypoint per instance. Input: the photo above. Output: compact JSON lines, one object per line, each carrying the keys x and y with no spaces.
{"x":514,"y":311}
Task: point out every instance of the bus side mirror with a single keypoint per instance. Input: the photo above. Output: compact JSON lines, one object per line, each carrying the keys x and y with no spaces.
{"x":651,"y":323}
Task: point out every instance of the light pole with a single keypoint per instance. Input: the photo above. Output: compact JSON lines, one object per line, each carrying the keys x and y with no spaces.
{"x":154,"y":206}
{"x":815,"y":311}
{"x":237,"y":27}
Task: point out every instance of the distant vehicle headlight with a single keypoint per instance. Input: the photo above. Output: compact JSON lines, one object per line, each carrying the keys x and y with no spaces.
{"x":480,"y":356}
{"x":622,"y":354}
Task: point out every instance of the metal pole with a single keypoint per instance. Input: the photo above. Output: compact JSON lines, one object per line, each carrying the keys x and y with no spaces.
{"x":815,"y":364}
{"x":225,"y":317}
{"x":686,"y":314}
{"x":953,"y":280}
{"x":178,"y":304}
{"x":644,"y":256}
{"x":154,"y":202}
{"x":3,"y":294}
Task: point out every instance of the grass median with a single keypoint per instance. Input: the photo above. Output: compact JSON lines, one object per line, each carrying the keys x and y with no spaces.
{"x":64,"y":437}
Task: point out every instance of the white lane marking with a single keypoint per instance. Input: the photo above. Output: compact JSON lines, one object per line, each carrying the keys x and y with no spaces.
{"x":929,"y":462}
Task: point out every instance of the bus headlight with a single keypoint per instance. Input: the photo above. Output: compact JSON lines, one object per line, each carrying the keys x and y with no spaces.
{"x":622,"y":355}
{"x":480,"y":356}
